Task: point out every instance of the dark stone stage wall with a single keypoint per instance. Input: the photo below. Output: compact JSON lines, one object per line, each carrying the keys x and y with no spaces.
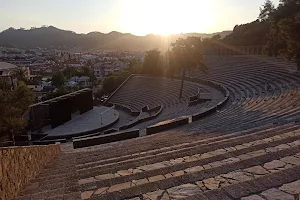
{"x":59,"y":110}
{"x":85,"y":101}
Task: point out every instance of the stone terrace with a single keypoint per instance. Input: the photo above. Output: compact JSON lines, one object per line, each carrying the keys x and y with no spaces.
{"x":140,"y":91}
{"x":249,"y":149}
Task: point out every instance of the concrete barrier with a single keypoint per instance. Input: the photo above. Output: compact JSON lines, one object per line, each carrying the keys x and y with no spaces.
{"x":126,"y":109}
{"x":158,"y":110}
{"x":200,"y":115}
{"x":195,"y":102}
{"x":166,"y":125}
{"x":46,"y":142}
{"x":102,"y":139}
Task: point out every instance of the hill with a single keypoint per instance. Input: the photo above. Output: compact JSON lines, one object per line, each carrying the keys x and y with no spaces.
{"x":47,"y":37}
{"x":254,"y":33}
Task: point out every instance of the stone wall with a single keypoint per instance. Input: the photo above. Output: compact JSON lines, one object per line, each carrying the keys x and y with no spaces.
{"x":18,"y":165}
{"x":235,"y":50}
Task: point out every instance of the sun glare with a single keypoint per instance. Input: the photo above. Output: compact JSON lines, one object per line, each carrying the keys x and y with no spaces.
{"x":168,"y":16}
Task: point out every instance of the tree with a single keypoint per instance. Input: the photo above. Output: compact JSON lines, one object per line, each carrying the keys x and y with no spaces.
{"x":253,"y":33}
{"x":69,"y":72}
{"x":14,"y":105}
{"x":20,"y":74}
{"x":58,"y":79}
{"x":266,"y":10}
{"x":187,"y":54}
{"x":135,"y":66}
{"x":89,"y":63}
{"x":59,"y":92}
{"x":152,"y":64}
{"x":216,"y":37}
{"x":111,"y":83}
{"x":85,"y":71}
{"x":283,"y":37}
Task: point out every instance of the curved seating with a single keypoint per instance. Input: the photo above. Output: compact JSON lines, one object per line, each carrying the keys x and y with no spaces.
{"x":248,"y":149}
{"x":140,"y":91}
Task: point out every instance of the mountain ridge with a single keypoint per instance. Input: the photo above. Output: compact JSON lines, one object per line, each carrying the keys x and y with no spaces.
{"x":52,"y":37}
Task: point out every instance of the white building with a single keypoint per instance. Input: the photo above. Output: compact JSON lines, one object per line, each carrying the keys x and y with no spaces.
{"x":104,"y":69}
{"x":71,"y":84}
{"x":20,"y":63}
{"x":83,"y":81}
{"x":40,"y":87}
{"x":98,"y":70}
{"x":7,"y":69}
{"x":75,"y":65}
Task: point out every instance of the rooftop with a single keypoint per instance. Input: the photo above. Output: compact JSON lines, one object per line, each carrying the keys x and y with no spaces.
{"x":5,"y":65}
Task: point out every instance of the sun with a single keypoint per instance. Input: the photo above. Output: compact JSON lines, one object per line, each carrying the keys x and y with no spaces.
{"x":167,"y":17}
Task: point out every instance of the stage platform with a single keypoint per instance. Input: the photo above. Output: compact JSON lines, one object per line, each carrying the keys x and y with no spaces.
{"x":89,"y":122}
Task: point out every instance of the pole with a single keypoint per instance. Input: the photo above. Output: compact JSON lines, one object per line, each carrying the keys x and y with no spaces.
{"x":182,"y":80}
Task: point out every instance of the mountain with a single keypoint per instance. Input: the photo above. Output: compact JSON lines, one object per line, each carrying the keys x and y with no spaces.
{"x":52,"y":37}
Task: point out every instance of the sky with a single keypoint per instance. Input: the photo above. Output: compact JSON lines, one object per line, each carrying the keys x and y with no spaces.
{"x":139,"y":17}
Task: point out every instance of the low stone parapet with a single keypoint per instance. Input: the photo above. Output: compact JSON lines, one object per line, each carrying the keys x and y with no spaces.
{"x":19,"y":165}
{"x":166,"y":125}
{"x":102,"y":139}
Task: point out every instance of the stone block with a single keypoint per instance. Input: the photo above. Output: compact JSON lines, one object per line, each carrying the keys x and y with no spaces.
{"x":19,"y":165}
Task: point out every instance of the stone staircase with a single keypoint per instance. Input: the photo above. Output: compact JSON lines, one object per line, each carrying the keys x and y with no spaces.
{"x":260,"y":163}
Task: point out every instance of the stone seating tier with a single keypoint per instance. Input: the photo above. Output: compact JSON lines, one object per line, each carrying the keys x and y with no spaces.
{"x":248,"y":149}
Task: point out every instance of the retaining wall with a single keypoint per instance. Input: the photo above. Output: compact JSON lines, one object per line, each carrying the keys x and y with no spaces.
{"x":19,"y":165}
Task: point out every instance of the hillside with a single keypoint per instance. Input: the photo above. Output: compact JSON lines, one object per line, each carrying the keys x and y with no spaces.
{"x":47,"y":37}
{"x":254,"y":33}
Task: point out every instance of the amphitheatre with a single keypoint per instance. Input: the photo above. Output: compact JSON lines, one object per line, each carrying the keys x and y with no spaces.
{"x":234,"y":134}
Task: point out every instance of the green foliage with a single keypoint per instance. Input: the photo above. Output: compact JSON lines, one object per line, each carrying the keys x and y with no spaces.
{"x":89,"y":63}
{"x":254,"y":33}
{"x":14,"y":105}
{"x":153,"y":63}
{"x":85,"y":71}
{"x":216,"y":37}
{"x":58,"y":79}
{"x":60,"y":91}
{"x":284,"y":37}
{"x":135,"y":66}
{"x":266,"y":10}
{"x":111,"y":83}
{"x":6,"y":83}
{"x":69,"y":72}
{"x":187,"y":53}
{"x":20,"y":74}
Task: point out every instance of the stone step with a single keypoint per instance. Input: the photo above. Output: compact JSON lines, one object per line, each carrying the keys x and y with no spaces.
{"x":191,"y":161}
{"x":162,"y":157}
{"x":180,"y":153}
{"x":281,"y":185}
{"x":54,"y":179}
{"x":165,"y":181}
{"x":69,"y":183}
{"x":151,"y":152}
{"x":99,"y":161}
{"x":57,"y":172}
{"x":137,"y":145}
{"x":288,"y":191}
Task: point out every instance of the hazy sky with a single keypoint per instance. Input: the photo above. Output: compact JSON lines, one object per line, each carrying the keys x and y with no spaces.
{"x":139,"y":17}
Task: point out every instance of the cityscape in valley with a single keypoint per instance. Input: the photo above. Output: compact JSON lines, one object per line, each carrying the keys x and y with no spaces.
{"x":157,"y":110}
